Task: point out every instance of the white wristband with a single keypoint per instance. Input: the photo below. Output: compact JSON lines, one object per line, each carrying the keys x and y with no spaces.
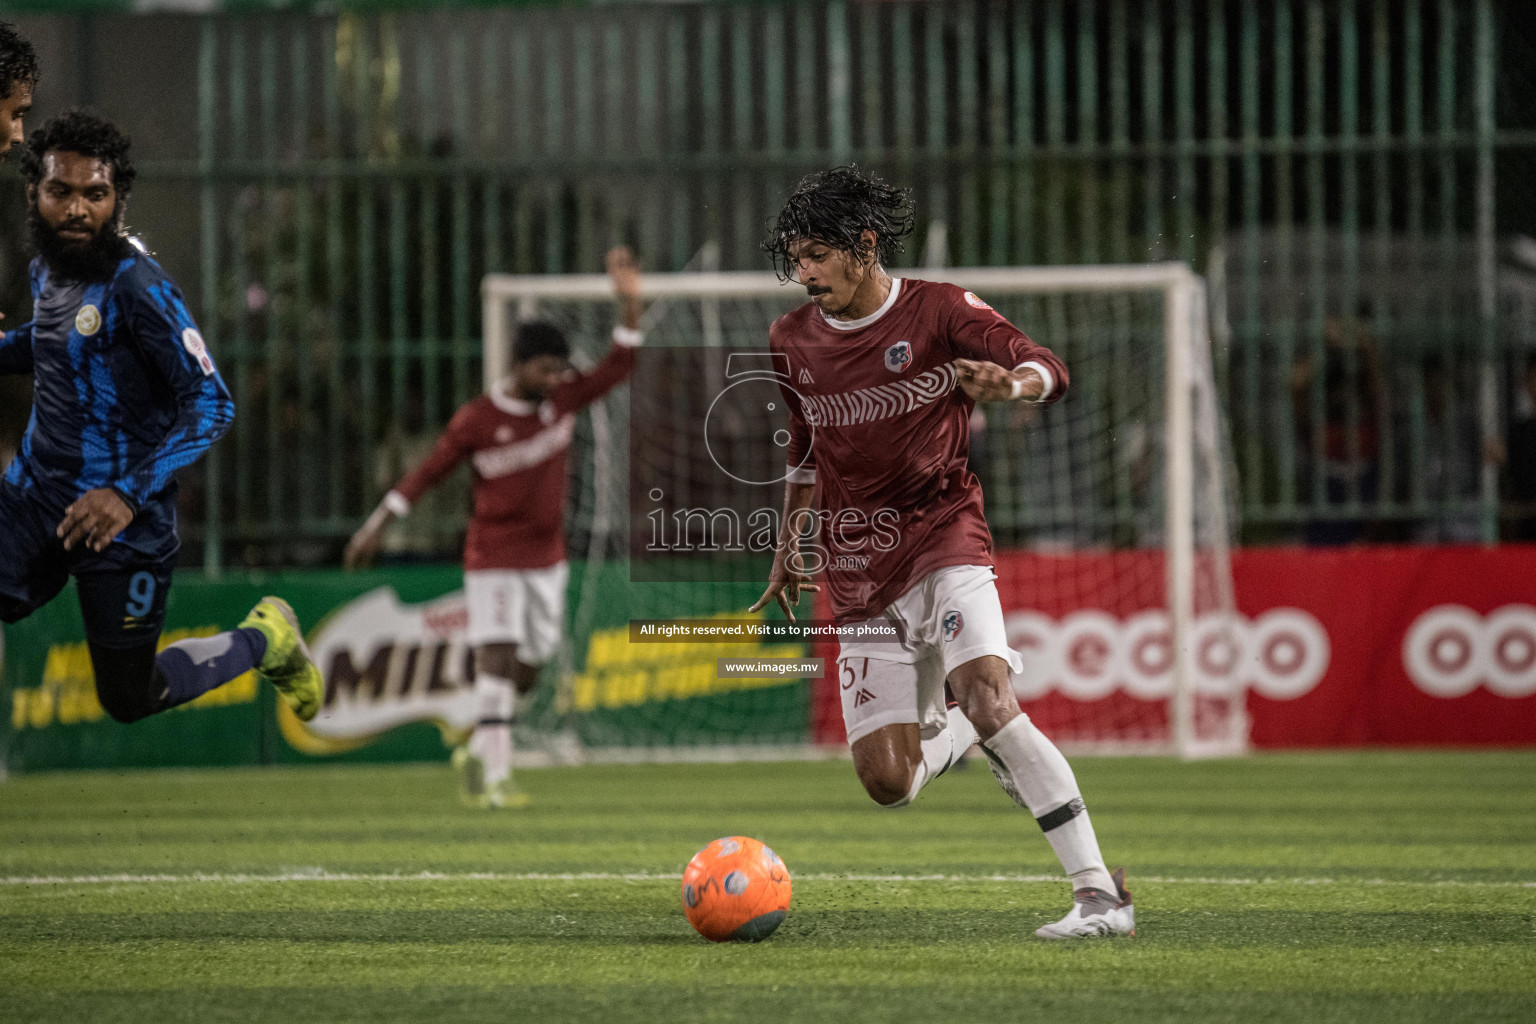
{"x":1018,"y":389}
{"x":629,"y":337}
{"x":1047,"y":380}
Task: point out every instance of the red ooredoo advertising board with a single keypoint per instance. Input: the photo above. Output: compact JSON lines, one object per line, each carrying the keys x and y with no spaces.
{"x":1334,"y":647}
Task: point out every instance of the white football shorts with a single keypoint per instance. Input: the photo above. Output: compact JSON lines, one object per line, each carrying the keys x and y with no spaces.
{"x":951,"y":616}
{"x":518,"y":606}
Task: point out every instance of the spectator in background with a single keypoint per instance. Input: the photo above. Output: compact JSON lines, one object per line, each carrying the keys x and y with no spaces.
{"x":1520,"y":457}
{"x":1349,"y":438}
{"x":1452,"y":458}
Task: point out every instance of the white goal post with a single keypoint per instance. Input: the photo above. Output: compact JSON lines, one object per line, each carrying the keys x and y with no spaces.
{"x":1205,"y":713}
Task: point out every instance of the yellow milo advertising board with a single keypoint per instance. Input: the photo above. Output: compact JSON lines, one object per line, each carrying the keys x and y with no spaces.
{"x":391,"y":645}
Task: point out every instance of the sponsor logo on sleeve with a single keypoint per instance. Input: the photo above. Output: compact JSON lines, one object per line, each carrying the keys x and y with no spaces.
{"x":976,"y":300}
{"x":192,"y":341}
{"x":954,"y":622}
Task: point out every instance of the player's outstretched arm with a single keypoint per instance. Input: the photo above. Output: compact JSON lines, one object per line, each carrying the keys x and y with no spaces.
{"x":453,"y":447}
{"x":582,"y":389}
{"x":786,"y":580}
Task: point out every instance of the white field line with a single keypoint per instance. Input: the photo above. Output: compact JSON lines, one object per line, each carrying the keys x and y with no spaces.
{"x":323,"y":875}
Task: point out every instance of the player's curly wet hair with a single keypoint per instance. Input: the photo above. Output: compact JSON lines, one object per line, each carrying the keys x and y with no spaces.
{"x":79,"y":131}
{"x":18,"y":61}
{"x":836,"y":207}
{"x":539,"y":338}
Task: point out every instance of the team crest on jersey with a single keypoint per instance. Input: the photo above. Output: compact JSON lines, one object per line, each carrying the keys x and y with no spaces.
{"x":192,"y":341}
{"x":899,"y":356}
{"x":954,"y":622}
{"x":88,"y":320}
{"x":976,"y":300}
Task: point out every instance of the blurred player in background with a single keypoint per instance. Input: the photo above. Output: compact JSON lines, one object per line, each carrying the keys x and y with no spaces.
{"x":517,"y":439}
{"x":125,"y":394}
{"x":886,"y":374}
{"x":18,"y":77}
{"x":19,"y":72}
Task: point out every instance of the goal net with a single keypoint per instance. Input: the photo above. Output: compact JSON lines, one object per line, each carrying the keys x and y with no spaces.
{"x":1110,"y":511}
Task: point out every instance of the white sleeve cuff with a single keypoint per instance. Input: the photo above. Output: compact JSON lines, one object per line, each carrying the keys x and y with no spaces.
{"x":396,"y":503}
{"x":629,"y":337}
{"x":800,"y":475}
{"x":1046,"y":378}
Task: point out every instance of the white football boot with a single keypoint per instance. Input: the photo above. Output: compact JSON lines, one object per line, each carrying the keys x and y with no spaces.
{"x":1096,"y":914}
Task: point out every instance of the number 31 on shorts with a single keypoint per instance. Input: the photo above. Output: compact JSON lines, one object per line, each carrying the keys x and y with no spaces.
{"x":849,"y":675}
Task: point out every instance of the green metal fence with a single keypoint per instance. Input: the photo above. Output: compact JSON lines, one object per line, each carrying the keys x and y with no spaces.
{"x":1342,"y":170}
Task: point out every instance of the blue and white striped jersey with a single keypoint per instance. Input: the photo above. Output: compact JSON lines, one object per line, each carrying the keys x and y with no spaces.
{"x":125,"y":393}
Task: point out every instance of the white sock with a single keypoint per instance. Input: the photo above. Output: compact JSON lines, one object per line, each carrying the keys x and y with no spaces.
{"x":1036,"y":775}
{"x":491,"y":742}
{"x":940,"y":751}
{"x":943,"y":750}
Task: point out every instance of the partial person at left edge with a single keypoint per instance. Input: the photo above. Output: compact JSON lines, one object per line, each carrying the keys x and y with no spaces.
{"x":18,"y":78}
{"x":125,"y":393}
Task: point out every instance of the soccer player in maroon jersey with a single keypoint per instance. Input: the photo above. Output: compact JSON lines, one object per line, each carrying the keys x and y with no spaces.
{"x":883,"y":376}
{"x":516,"y":438}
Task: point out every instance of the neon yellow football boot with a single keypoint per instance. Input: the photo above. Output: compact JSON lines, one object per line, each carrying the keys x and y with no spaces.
{"x":471,"y":771}
{"x":286,"y":663}
{"x":506,"y":796}
{"x":475,"y":792}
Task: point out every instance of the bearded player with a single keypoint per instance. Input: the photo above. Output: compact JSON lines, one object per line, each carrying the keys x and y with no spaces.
{"x":887,"y":372}
{"x":517,"y":439}
{"x":125,"y":394}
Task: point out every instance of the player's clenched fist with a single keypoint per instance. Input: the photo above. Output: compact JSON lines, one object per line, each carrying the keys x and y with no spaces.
{"x":624,"y":272}
{"x":988,"y":382}
{"x":361,"y":548}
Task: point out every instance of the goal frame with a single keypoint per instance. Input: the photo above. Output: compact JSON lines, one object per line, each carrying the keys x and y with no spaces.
{"x":1187,"y":362}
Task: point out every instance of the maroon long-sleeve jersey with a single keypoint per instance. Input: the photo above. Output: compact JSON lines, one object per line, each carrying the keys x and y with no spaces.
{"x":518,"y":451}
{"x":878,"y":422}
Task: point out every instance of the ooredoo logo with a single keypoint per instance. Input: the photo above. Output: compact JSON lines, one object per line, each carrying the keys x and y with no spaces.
{"x":1451,"y":650}
{"x":1282,"y":654}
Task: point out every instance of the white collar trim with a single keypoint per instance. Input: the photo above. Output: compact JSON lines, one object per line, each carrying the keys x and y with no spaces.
{"x":885,"y":307}
{"x":507,"y":404}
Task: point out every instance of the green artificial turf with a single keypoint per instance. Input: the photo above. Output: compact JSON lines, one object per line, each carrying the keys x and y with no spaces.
{"x":1320,"y":887}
